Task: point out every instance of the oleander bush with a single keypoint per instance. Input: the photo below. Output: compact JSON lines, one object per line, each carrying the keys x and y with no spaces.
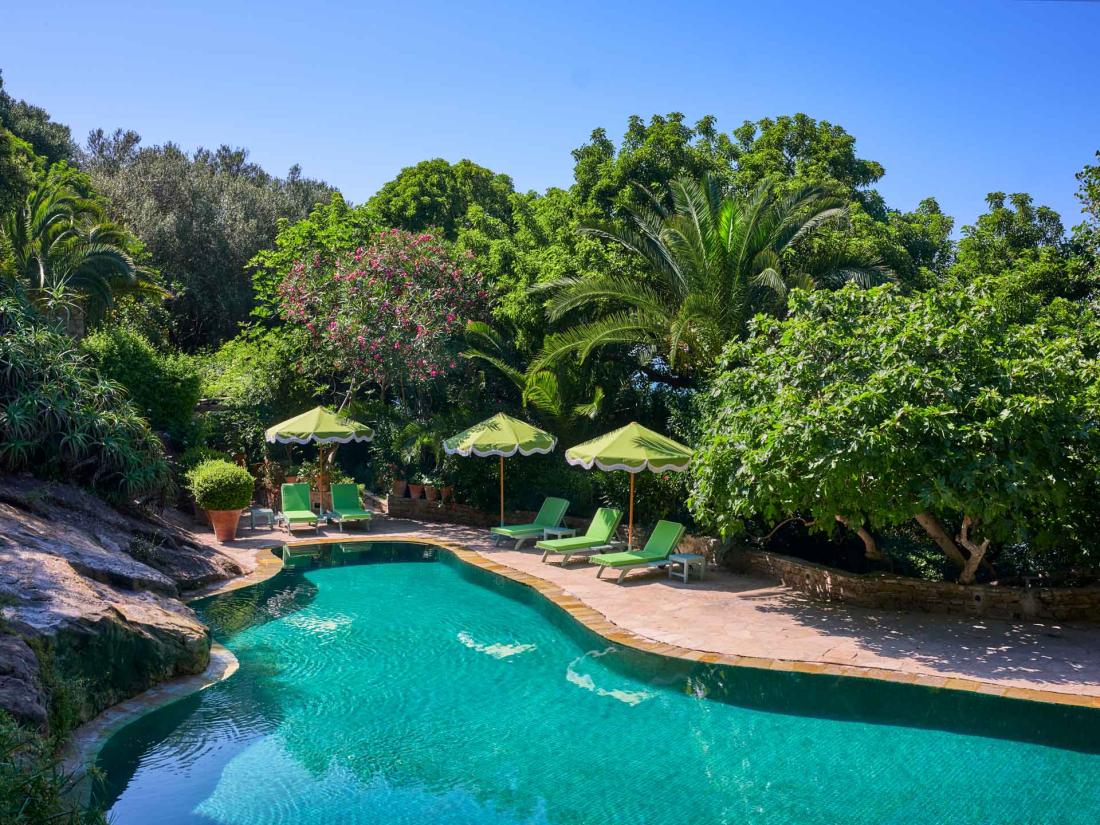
{"x":221,"y":485}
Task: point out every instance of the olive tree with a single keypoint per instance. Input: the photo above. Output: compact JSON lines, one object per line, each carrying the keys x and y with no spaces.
{"x":956,"y":407}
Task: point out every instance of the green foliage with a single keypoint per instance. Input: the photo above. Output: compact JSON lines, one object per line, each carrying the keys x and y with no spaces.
{"x":48,"y":139}
{"x":330,"y":229}
{"x":33,"y":788}
{"x":879,"y":407}
{"x":66,"y":257}
{"x":438,"y":195}
{"x":164,"y":386}
{"x":18,"y":169}
{"x":220,"y":485}
{"x":194,"y":456}
{"x":712,"y":263}
{"x":203,"y":217}
{"x":59,"y":419}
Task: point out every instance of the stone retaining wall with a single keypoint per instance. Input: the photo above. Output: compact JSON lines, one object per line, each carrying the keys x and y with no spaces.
{"x":885,"y":591}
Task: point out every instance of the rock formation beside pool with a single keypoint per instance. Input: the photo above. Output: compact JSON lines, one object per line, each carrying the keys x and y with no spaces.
{"x":90,"y":600}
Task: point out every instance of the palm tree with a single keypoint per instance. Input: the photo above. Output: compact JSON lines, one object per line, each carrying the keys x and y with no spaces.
{"x":713,"y":261}
{"x":63,"y":248}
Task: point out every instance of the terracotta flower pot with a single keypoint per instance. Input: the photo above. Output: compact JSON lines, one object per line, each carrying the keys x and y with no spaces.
{"x":431,"y":493}
{"x":415,"y":490}
{"x":447,"y":493}
{"x":399,"y":487}
{"x":224,"y":523}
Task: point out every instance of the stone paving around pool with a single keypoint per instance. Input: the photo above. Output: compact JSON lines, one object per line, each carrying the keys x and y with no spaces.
{"x":753,"y":621}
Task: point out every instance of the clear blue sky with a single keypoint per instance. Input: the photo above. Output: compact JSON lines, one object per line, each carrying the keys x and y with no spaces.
{"x":954,"y":99}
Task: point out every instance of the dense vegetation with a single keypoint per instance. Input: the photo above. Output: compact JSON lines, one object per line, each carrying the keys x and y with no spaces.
{"x":844,"y":366}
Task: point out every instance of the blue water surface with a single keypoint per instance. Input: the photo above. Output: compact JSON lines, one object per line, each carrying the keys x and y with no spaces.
{"x":423,"y":691}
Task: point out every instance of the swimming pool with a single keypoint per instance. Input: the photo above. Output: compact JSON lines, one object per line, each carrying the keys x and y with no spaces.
{"x":400,"y":685}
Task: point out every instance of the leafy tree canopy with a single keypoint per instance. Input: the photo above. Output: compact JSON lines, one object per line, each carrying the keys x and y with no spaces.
{"x":436,"y":194}
{"x":48,"y":139}
{"x":951,"y":407}
{"x":203,"y":217}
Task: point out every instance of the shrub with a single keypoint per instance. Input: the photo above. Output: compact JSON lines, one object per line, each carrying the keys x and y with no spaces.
{"x":950,"y":407}
{"x":191,"y":458}
{"x":164,"y":386}
{"x":59,"y":419}
{"x":33,"y":788}
{"x":219,"y":485}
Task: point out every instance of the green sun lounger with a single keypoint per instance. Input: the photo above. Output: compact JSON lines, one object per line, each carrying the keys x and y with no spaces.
{"x":550,"y":514}
{"x":662,"y":542}
{"x":296,"y":509}
{"x":601,"y":531}
{"x":347,"y":506}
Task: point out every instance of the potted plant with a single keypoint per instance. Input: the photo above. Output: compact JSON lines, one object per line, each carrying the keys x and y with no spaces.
{"x":416,"y":487}
{"x":223,"y":490}
{"x":431,"y":490}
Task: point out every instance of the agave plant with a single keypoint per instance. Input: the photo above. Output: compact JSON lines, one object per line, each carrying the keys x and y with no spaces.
{"x":712,"y":262}
{"x":68,"y":258}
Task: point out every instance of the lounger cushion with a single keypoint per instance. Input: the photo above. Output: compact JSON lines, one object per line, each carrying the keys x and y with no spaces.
{"x":573,"y":543}
{"x":516,"y":530}
{"x":300,"y":515}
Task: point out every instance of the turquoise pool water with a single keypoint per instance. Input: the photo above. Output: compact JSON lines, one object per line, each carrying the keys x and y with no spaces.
{"x":420,"y":690}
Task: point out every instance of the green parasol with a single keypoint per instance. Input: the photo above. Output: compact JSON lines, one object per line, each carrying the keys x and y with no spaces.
{"x":322,"y":427}
{"x":633,"y":448}
{"x":501,"y":436}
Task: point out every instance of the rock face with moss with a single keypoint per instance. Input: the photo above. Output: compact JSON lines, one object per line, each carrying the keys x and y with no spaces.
{"x":90,"y":601}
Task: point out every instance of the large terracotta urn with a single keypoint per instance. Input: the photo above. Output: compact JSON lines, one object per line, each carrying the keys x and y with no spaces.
{"x":225,"y":523}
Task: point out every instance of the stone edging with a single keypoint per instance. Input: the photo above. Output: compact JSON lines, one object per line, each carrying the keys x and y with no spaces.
{"x":598,"y":623}
{"x":86,"y":741}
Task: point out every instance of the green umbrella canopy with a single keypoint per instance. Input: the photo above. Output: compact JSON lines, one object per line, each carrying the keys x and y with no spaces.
{"x":632,"y":448}
{"x":500,"y":435}
{"x":319,"y":426}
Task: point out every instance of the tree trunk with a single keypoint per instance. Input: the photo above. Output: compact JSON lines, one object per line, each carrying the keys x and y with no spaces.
{"x":977,"y":552}
{"x":870,"y":546}
{"x":933,"y":528}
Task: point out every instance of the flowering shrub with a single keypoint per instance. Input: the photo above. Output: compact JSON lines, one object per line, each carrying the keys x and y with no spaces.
{"x":386,"y":313}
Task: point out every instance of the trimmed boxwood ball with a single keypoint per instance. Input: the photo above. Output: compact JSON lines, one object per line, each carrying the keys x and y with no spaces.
{"x":220,"y":485}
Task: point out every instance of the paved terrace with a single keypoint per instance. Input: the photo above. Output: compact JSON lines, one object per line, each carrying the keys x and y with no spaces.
{"x":748,"y":620}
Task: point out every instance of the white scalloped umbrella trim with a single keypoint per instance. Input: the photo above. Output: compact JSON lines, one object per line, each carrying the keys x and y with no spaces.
{"x":313,"y":440}
{"x":658,"y":468}
{"x":466,"y":453}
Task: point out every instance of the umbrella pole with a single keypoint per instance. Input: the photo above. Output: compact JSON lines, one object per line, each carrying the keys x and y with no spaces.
{"x":630,"y":525}
{"x":321,"y":481}
{"x":502,"y":491}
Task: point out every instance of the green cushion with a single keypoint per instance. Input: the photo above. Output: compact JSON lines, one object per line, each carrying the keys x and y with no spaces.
{"x":573,"y":543}
{"x":551,"y":512}
{"x":346,"y":502}
{"x":300,"y":515}
{"x":296,"y":498}
{"x":662,"y":541}
{"x":603,"y":524}
{"x":665,"y":536}
{"x":626,"y":559}
{"x":516,"y":530}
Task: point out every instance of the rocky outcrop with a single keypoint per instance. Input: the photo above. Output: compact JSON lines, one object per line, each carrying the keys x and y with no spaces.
{"x":95,"y":592}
